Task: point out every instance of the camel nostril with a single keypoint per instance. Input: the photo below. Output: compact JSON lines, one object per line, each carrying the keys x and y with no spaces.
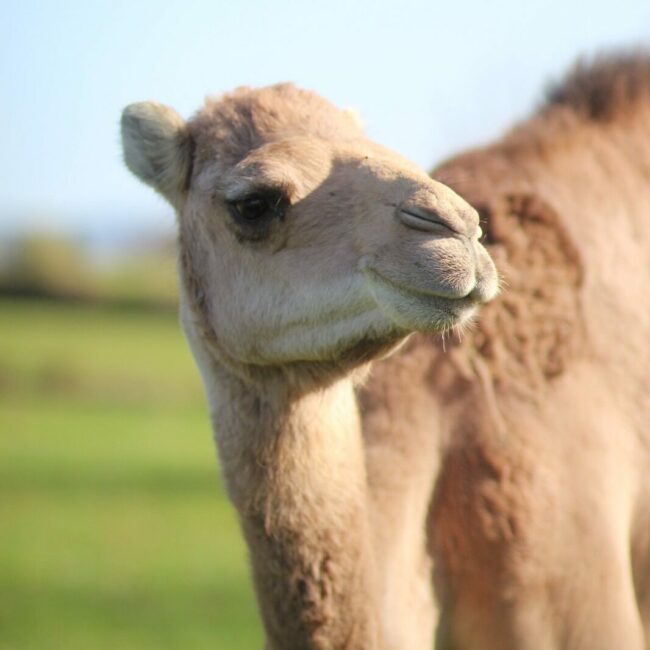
{"x":424,"y":219}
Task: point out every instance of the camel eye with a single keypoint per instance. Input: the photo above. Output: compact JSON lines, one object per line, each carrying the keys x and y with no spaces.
{"x":253,"y":216}
{"x":252,"y":208}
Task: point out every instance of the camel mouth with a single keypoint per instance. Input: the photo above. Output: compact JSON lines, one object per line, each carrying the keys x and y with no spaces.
{"x":441,"y":294}
{"x":417,"y":310}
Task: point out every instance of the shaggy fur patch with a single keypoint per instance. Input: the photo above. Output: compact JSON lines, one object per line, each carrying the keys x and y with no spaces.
{"x":532,"y":330}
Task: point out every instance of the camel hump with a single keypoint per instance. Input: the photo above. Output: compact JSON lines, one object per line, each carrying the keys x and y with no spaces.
{"x":604,"y":87}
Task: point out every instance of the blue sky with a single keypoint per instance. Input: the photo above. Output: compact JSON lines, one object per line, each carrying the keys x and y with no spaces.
{"x":429,"y":78}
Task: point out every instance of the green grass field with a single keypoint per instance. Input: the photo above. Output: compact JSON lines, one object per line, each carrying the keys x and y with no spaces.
{"x":114,"y":529}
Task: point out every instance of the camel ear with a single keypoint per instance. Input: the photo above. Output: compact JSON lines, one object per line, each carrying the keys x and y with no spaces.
{"x":157,"y":148}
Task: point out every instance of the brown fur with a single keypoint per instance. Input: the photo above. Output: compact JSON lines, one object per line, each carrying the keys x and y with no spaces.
{"x":507,"y":467}
{"x":543,"y":407}
{"x":605,"y":89}
{"x":356,"y":248}
{"x":241,"y":121}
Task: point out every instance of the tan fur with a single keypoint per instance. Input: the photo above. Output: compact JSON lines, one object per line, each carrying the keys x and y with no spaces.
{"x":359,"y":249}
{"x":157,"y":148}
{"x":508,"y":469}
{"x":540,"y":516}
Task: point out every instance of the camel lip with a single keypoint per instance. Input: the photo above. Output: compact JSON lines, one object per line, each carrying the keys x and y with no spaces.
{"x":375,"y":275}
{"x":416,"y":311}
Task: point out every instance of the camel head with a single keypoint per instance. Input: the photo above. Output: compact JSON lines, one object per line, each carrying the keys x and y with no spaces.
{"x":301,"y":239}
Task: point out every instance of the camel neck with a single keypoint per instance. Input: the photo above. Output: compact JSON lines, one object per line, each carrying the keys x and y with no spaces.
{"x":294,"y":468}
{"x":268,"y":426}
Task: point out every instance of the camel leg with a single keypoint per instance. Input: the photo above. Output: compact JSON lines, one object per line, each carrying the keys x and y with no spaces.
{"x":401,"y":461}
{"x":644,"y":607}
{"x":407,"y":609}
{"x":641,"y":560}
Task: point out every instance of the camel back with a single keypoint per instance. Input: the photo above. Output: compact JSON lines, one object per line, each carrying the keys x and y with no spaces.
{"x":555,"y":195}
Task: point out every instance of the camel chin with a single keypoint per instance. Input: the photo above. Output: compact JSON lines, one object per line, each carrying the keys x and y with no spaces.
{"x":364,"y":335}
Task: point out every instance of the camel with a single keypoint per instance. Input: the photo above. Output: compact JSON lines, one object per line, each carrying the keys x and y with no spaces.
{"x":398,"y":489}
{"x":540,"y":522}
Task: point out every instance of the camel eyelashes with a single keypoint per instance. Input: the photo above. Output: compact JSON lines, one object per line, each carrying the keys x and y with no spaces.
{"x":253,"y":215}
{"x":252,"y":208}
{"x":256,"y":207}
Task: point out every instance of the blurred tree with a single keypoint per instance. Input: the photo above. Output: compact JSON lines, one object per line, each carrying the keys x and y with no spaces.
{"x":45,"y":265}
{"x":138,"y":273}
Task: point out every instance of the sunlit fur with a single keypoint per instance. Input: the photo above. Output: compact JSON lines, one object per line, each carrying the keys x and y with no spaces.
{"x":493,"y":494}
{"x":535,"y":425}
{"x":283,"y":324}
{"x":305,"y":293}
